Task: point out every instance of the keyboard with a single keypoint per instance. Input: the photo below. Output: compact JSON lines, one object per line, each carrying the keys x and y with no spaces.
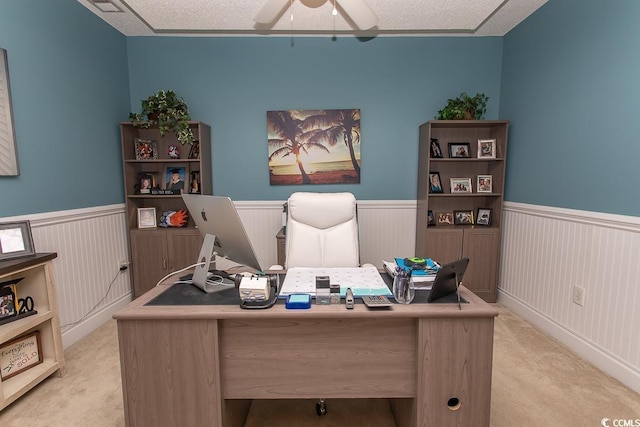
{"x":376,"y":301}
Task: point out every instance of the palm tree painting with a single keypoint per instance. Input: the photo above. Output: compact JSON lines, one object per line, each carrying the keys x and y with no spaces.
{"x":314,"y":146}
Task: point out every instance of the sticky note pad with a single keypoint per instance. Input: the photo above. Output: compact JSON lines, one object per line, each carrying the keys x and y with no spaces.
{"x":297,"y":301}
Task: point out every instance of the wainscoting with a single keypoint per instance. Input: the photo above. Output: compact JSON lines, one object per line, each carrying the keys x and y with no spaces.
{"x":545,"y":252}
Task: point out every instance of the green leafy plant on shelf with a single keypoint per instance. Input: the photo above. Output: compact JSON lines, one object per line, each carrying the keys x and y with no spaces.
{"x":169,"y":112}
{"x":464,"y":107}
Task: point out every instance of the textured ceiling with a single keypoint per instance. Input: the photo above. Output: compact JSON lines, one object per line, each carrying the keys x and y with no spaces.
{"x":395,"y":17}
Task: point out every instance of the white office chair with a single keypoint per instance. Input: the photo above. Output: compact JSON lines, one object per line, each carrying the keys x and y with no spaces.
{"x":322,"y":230}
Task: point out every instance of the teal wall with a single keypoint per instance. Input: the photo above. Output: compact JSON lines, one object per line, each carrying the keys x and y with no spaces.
{"x":566,"y":78}
{"x":69,"y":88}
{"x":398,"y":83}
{"x":570,"y":86}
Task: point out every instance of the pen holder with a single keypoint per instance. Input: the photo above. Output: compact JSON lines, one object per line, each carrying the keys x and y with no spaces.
{"x":403,"y":289}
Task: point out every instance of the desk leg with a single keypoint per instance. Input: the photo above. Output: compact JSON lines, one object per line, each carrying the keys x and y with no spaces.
{"x":454,"y":360}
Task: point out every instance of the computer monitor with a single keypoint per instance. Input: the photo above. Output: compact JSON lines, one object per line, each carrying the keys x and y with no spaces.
{"x":224,"y":235}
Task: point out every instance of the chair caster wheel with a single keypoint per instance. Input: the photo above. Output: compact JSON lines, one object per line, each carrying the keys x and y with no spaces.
{"x":321,"y":408}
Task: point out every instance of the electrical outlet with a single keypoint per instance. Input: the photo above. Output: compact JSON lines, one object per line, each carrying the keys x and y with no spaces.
{"x":578,"y":295}
{"x":123,"y":265}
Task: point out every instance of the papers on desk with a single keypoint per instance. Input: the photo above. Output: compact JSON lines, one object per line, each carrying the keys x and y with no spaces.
{"x":361,"y":280}
{"x":422,"y":281}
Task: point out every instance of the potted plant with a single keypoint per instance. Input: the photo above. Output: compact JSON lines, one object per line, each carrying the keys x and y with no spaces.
{"x":464,"y":107}
{"x":169,"y":112}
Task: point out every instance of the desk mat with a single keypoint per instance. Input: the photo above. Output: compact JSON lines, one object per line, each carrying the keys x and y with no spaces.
{"x":187,"y":294}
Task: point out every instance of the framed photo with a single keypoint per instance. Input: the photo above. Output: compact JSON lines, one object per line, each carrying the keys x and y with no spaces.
{"x":435,"y":183}
{"x":487,"y":148}
{"x":175,"y":178}
{"x":459,"y":149}
{"x":463,"y":217}
{"x":436,"y":153}
{"x":146,"y":149}
{"x":485,"y":184}
{"x":147,"y":218}
{"x":20,"y":354}
{"x":460,"y":185}
{"x":431,"y":219}
{"x":484,"y":216}
{"x":444,"y":218}
{"x":16,"y":240}
{"x":7,"y":302}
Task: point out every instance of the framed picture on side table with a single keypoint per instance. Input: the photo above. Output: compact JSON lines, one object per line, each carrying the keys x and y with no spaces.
{"x":487,"y":148}
{"x":16,"y":240}
{"x":20,"y":354}
{"x":147,"y":218}
{"x":484,"y":216}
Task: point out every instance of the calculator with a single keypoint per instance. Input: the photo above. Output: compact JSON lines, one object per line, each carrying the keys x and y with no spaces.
{"x":376,"y":301}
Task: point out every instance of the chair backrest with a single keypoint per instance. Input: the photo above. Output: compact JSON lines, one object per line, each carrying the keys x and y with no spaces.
{"x":322,"y":230}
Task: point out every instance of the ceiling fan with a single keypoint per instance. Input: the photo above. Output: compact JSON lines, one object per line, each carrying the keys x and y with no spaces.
{"x":357,"y":10}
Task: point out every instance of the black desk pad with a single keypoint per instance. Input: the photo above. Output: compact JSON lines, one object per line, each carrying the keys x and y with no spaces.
{"x":187,"y":294}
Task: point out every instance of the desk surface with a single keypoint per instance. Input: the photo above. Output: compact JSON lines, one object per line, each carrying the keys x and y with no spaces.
{"x":138,"y":309}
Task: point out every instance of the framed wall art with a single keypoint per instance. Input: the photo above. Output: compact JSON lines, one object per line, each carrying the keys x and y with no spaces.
{"x":314,"y":146}
{"x":8,"y":149}
{"x":15,"y":240}
{"x":487,"y":148}
{"x":459,"y":149}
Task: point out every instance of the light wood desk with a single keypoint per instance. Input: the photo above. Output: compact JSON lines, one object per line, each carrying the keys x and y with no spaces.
{"x":201,"y":365}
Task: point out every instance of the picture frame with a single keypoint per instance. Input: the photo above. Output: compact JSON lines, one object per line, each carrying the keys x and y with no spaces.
{"x":436,"y":152}
{"x":435,"y":183}
{"x":146,"y":149}
{"x":460,"y":185}
{"x":7,"y":302}
{"x":431,"y":219}
{"x":483,"y":216}
{"x":463,"y":217}
{"x":175,"y":178}
{"x":147,"y":218}
{"x":487,"y":148}
{"x":20,"y":354}
{"x":484,"y":184}
{"x":8,"y":146}
{"x":16,"y":240}
{"x":146,"y":184}
{"x":459,"y":150}
{"x":445,"y":218}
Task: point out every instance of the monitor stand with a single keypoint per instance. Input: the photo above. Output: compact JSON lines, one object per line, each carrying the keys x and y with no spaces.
{"x":206,"y":261}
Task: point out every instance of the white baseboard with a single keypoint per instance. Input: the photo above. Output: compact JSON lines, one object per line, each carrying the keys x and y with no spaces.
{"x":585,"y":349}
{"x":95,"y":320}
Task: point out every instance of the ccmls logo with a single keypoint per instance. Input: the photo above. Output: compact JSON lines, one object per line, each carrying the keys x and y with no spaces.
{"x":606,"y":422}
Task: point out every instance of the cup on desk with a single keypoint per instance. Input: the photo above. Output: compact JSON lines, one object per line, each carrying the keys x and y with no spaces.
{"x":403,"y":289}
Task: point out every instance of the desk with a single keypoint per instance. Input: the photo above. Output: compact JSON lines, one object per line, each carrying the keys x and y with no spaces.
{"x":202,"y":365}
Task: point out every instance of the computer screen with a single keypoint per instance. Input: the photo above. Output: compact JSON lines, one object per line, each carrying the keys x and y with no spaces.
{"x":216,"y":216}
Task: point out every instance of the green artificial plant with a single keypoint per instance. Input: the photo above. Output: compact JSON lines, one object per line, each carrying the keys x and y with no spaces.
{"x":169,"y":112}
{"x":464,"y":107}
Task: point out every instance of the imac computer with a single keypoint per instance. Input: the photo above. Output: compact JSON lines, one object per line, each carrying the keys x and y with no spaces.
{"x":224,"y":235}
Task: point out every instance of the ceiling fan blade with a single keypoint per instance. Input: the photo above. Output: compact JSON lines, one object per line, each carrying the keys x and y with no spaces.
{"x":270,"y":11}
{"x":360,"y":13}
